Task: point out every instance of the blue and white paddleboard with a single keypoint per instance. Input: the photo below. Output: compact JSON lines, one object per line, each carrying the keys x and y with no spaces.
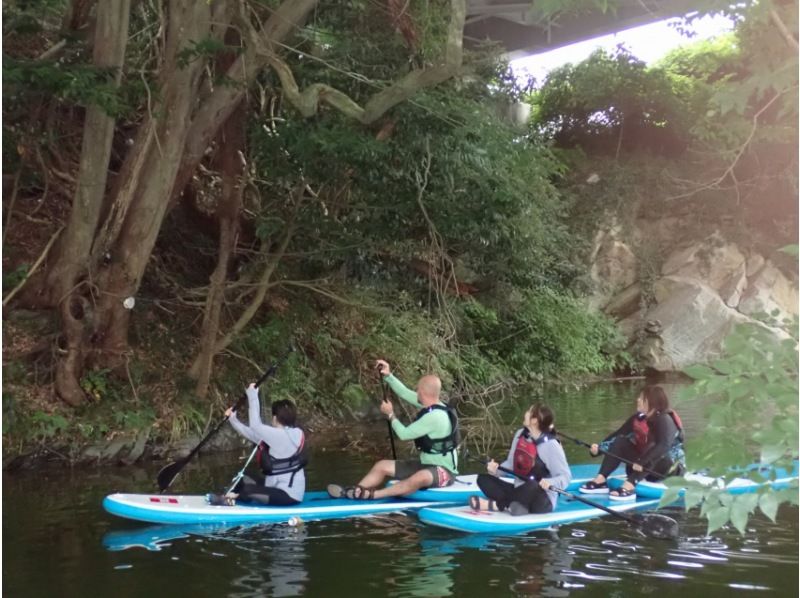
{"x":465,"y":519}
{"x":159,"y":508}
{"x":466,"y":485}
{"x":782,"y":479}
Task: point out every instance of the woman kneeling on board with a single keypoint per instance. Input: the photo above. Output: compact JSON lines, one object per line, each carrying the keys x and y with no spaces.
{"x":536,"y":454}
{"x":281,"y":455}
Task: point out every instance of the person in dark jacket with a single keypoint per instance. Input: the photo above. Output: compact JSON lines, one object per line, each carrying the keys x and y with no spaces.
{"x":651,"y":439}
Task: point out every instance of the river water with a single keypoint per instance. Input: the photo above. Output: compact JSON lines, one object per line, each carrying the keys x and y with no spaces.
{"x":57,"y":540}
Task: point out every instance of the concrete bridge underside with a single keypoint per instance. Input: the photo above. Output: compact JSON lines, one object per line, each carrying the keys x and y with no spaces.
{"x":521,"y":31}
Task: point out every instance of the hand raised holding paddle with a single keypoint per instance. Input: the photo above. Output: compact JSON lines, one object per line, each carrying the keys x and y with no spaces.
{"x":169,"y":472}
{"x":386,"y":404}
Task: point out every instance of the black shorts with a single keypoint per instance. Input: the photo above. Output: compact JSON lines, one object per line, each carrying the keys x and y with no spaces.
{"x":441,"y":475}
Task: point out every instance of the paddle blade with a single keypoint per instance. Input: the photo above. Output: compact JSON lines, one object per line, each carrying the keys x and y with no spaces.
{"x":168,"y":474}
{"x":657,"y":526}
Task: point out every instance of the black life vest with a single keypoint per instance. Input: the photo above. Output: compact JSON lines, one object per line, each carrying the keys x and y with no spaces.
{"x":527,"y":462}
{"x":273,"y":466}
{"x":678,"y":424}
{"x":439,"y":446}
{"x":641,"y":431}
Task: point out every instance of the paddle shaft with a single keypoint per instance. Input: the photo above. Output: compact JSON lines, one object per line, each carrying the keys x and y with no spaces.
{"x":388,"y":422}
{"x":167,"y":474}
{"x":612,"y":455}
{"x":591,"y":503}
{"x":240,"y":475}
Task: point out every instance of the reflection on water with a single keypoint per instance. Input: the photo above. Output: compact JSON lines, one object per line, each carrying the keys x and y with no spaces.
{"x":274,"y":563}
{"x":63,"y":544}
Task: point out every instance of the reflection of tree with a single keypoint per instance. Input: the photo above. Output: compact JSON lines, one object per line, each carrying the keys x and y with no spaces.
{"x":274,"y":564}
{"x":540,"y":567}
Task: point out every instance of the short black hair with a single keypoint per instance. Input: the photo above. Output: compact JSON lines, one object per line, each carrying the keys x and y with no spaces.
{"x":285,"y":411}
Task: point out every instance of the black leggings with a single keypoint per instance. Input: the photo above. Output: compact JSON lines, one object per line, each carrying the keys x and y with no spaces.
{"x":263,"y":495}
{"x":622,"y":447}
{"x":529,"y":494}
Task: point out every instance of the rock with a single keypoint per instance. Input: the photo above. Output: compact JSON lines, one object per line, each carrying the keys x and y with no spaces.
{"x":138,"y":447}
{"x":768,"y":290}
{"x":754,"y":263}
{"x":694,"y":322}
{"x":108,"y":451}
{"x":614,"y":267}
{"x":716,"y":263}
{"x":626,"y":302}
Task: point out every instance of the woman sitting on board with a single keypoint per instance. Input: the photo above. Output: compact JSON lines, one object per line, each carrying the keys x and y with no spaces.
{"x":535,"y":453}
{"x":281,"y":455}
{"x":651,"y":439}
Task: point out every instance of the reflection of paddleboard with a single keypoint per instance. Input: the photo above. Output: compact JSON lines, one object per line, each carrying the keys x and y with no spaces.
{"x":155,"y":537}
{"x":466,"y":485}
{"x":159,"y":508}
{"x":464,"y":519}
{"x":778,"y":478}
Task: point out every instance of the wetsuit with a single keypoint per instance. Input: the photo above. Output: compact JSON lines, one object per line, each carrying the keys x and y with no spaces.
{"x":531,"y":497}
{"x":282,"y":489}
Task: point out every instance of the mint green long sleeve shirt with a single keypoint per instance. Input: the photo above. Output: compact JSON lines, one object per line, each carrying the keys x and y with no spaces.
{"x":435,"y":424}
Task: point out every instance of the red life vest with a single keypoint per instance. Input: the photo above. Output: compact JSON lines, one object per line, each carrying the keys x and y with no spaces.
{"x":527,"y":462}
{"x":641,"y":431}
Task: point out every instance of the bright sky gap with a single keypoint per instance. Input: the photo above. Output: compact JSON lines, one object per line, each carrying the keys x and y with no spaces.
{"x":647,"y":42}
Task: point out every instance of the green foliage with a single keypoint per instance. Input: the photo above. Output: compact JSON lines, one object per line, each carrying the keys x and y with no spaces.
{"x":543,"y":333}
{"x":203,"y":50}
{"x":95,"y":384}
{"x":73,"y":83}
{"x":14,"y":277}
{"x":46,"y":426}
{"x":753,"y":418}
{"x":134,"y":419}
{"x":610,"y":101}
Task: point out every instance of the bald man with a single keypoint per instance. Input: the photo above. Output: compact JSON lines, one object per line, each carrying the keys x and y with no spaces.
{"x":434,"y":432}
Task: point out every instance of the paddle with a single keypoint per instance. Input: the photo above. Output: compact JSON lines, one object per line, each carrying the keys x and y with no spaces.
{"x":612,"y":455}
{"x":654,"y":525}
{"x":388,"y":423}
{"x":169,"y":472}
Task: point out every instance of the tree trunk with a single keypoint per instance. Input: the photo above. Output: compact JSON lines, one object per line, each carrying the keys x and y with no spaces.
{"x":63,"y":280}
{"x":232,"y":142}
{"x":150,"y":191}
{"x":216,"y":109}
{"x":264,"y":283}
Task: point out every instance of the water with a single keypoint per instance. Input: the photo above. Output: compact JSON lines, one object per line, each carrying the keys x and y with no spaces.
{"x":58,"y":541}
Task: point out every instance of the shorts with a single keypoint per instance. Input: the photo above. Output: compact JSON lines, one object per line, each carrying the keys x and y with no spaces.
{"x":441,"y":475}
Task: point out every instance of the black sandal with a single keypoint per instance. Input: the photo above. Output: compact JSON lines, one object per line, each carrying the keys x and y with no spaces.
{"x":593,"y":487}
{"x":360,"y":493}
{"x":475,"y":503}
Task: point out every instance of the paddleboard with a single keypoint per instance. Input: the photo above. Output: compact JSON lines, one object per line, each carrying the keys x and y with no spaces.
{"x":782,"y":479}
{"x":465,"y":519}
{"x":172,"y":509}
{"x":466,"y":485}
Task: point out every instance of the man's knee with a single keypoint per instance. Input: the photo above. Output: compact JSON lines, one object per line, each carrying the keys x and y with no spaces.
{"x":421,"y":479}
{"x":384,"y":466}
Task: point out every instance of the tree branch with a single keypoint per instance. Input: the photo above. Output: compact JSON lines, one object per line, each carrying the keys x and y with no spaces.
{"x":739,"y":153}
{"x":307,"y":101}
{"x":787,"y":35}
